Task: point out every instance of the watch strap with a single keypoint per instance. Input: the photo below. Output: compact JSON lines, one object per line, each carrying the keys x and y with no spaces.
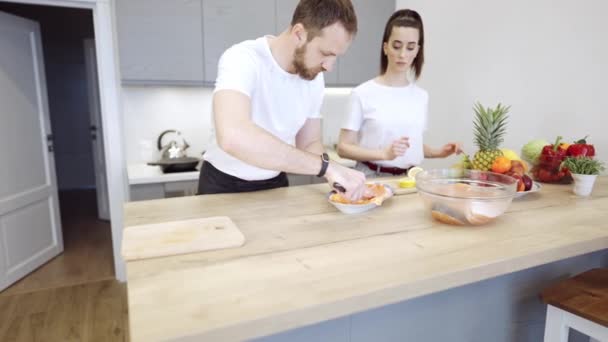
{"x":324,"y":164}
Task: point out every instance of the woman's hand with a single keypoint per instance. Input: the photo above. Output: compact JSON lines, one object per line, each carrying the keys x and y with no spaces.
{"x":397,"y":148}
{"x":449,"y":149}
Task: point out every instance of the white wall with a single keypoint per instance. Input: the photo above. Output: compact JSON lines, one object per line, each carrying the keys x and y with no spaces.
{"x":546,"y":58}
{"x":149,"y":111}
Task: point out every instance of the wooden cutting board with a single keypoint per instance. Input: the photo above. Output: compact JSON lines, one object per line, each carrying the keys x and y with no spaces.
{"x":180,"y":237}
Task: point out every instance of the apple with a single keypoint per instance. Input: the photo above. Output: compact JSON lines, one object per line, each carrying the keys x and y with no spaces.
{"x":520,"y":183}
{"x":527,"y":182}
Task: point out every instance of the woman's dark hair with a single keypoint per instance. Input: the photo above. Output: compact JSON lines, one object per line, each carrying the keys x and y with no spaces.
{"x":404,"y":18}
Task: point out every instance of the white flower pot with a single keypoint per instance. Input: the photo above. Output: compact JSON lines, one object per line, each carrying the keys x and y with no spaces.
{"x":583,"y":184}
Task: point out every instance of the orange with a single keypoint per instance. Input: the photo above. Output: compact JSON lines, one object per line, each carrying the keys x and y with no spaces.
{"x":501,"y":165}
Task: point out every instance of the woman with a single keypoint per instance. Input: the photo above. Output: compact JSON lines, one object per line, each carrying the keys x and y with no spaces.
{"x":388,"y":114}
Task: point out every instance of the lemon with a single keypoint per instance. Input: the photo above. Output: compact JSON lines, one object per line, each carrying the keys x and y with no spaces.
{"x":407,"y":182}
{"x":510,"y":154}
{"x":414,"y":171}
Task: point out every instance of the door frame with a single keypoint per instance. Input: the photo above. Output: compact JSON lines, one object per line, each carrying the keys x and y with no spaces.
{"x":111,"y":119}
{"x":96,"y":130}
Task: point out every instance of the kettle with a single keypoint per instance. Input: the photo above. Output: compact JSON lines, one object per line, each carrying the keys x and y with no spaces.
{"x":172,"y":150}
{"x":173,"y":155}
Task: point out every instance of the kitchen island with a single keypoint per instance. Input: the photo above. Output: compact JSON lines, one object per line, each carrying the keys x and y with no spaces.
{"x":304,"y":262}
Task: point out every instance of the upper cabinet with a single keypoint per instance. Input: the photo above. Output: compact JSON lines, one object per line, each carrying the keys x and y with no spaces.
{"x":181,"y":41}
{"x":362,"y":60}
{"x":227,"y":22}
{"x":160,"y":41}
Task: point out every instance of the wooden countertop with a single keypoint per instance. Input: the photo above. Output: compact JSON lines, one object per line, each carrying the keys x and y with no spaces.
{"x":304,"y":262}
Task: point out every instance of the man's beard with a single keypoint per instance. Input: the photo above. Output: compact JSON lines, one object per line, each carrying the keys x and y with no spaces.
{"x":300,"y":66}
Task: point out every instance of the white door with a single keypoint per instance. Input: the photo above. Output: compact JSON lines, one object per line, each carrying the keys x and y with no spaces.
{"x":101,"y":183}
{"x":30,"y":226}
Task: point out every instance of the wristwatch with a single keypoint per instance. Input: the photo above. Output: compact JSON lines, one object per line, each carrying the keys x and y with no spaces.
{"x":324,"y":164}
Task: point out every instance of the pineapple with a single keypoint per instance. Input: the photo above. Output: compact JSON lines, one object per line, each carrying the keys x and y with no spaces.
{"x":490,"y":128}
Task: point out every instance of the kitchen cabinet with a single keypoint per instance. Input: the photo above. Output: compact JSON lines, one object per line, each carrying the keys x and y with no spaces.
{"x":144,"y":192}
{"x":160,"y":41}
{"x":227,"y":22}
{"x":150,"y":191}
{"x":362,"y":60}
{"x":180,"y":42}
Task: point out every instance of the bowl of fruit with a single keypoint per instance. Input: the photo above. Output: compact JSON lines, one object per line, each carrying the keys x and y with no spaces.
{"x":465,"y":197}
{"x":517,"y":169}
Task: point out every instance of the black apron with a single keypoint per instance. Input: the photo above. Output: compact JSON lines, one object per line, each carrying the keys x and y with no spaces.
{"x":214,"y":181}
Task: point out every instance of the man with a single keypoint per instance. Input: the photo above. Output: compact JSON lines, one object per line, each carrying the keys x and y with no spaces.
{"x":266,"y":105}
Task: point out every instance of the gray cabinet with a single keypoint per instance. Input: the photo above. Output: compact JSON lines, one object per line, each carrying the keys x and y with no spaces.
{"x":181,"y":41}
{"x":227,"y":22}
{"x":362,"y":60}
{"x":150,"y":191}
{"x":160,"y":41}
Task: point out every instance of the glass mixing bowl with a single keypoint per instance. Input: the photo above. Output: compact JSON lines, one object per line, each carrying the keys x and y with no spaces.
{"x":463,"y":197}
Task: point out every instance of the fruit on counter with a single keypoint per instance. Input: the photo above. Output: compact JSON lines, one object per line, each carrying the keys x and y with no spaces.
{"x":580,"y":148}
{"x":524,"y":182}
{"x":515,"y":169}
{"x":501,"y":165}
{"x":512,"y":155}
{"x":489,"y":130}
{"x":549,"y":168}
{"x":414,"y":171}
{"x":553,"y":149}
{"x":532,"y":150}
{"x":464,"y":163}
{"x":564,"y":146}
{"x":518,"y":167}
{"x":520,"y":182}
{"x":407,"y":182}
{"x":527,"y":182}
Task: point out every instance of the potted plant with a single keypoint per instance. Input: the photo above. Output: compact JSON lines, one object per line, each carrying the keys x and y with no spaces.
{"x":584,"y":171}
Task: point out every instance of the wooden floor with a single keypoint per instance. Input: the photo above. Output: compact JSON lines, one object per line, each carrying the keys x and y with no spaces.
{"x":73,"y":297}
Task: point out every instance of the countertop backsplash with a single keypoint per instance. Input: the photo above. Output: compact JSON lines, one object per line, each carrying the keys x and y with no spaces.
{"x":148,"y":111}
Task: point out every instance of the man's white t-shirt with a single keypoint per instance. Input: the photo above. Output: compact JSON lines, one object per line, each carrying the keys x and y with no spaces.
{"x":280,"y":102}
{"x":382,"y":114}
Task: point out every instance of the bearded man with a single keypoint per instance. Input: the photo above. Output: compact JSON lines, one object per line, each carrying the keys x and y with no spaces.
{"x":266,"y":105}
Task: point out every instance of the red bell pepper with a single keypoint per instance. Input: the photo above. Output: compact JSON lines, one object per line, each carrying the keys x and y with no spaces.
{"x":581,"y":148}
{"x":554,"y":150}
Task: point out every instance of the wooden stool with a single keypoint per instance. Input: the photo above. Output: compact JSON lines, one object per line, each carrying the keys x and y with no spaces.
{"x":580,"y":303}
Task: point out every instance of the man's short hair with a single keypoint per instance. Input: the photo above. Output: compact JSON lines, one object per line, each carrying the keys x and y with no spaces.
{"x":316,"y":15}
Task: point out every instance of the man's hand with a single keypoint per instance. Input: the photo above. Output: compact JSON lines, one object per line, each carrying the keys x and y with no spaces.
{"x":353,"y":181}
{"x":397,"y":148}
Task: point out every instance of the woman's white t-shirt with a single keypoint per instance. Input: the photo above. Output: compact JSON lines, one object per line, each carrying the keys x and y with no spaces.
{"x":382,"y":114}
{"x":280,"y":102}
